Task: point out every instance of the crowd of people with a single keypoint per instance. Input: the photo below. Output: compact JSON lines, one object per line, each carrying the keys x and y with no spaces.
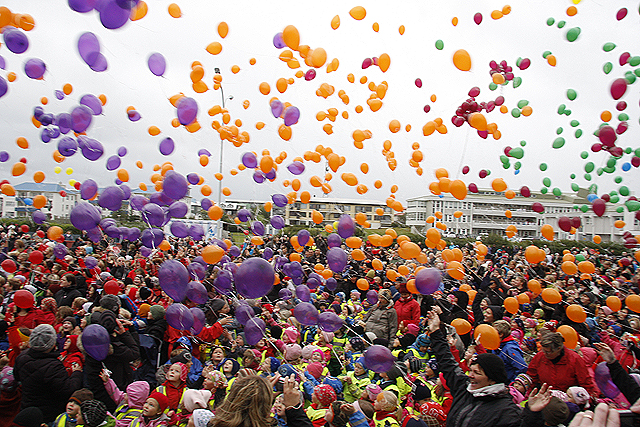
{"x":462,"y":355}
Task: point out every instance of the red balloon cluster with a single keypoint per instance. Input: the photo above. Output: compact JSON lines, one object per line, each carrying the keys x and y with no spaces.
{"x":470,"y":106}
{"x":565,"y":223}
{"x":501,"y":68}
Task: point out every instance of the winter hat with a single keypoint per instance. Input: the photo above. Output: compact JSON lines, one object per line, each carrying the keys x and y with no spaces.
{"x":201,"y":417}
{"x":183,"y":371}
{"x":157,"y":312}
{"x":524,"y":379}
{"x":320,"y":352}
{"x":385,"y":294}
{"x":71,"y":320}
{"x":292,"y":334}
{"x":421,"y":391}
{"x":315,"y":369}
{"x":433,"y":364}
{"x":162,"y":400}
{"x":7,"y":381}
{"x":145,"y":293}
{"x":422,"y":341}
{"x":361,"y":362}
{"x":356,"y":343}
{"x":29,"y":417}
{"x":107,"y":319}
{"x":498,"y":311}
{"x":274,"y":364}
{"x":110,"y":302}
{"x":431,"y":410}
{"x":144,"y":309}
{"x":402,"y":288}
{"x":556,"y":412}
{"x":381,"y":341}
{"x":182,"y":357}
{"x":43,"y":338}
{"x":236,"y":365}
{"x":49,"y":304}
{"x":308,"y":350}
{"x":413,"y":329}
{"x":580,"y":395}
{"x":292,"y":352}
{"x":355,"y":293}
{"x":373,"y":390}
{"x":493,"y":367}
{"x":94,"y":412}
{"x":82,"y":395}
{"x":216,"y":304}
{"x":137,"y":394}
{"x":195,"y":399}
{"x":325,"y":394}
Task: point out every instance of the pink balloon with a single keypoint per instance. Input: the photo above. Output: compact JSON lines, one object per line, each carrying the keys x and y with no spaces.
{"x":618,"y":88}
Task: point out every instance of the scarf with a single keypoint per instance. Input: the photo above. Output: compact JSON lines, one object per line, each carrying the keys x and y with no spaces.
{"x":490,"y":390}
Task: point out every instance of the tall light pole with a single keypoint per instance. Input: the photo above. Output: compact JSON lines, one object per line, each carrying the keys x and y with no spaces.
{"x":219,"y":227}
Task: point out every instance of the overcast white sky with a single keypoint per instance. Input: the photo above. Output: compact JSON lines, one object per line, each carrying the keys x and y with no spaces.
{"x":523,"y":33}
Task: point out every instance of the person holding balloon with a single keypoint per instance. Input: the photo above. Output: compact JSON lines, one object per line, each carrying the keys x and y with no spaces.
{"x":482,"y":398}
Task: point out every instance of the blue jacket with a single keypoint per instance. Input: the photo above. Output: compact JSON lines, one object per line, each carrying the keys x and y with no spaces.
{"x":511,"y":354}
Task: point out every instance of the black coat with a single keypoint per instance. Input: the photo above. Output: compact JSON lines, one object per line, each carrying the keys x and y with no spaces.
{"x":625,"y":383}
{"x":45,"y":382}
{"x":65,"y":296}
{"x":466,"y":410}
{"x":125,"y":350}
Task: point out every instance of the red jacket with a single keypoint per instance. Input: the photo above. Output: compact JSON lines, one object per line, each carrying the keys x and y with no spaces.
{"x":408,"y":310}
{"x":570,"y":371}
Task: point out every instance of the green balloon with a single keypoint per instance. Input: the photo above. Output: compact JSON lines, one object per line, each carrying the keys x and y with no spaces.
{"x":575,"y":123}
{"x":567,"y":112}
{"x":517,"y":81}
{"x":543,"y":167}
{"x":632,"y":205}
{"x":580,"y":257}
{"x":559,"y":131}
{"x":561,"y":24}
{"x":637,"y":152}
{"x":515,"y":113}
{"x":572,"y":34}
{"x":506,"y":165}
{"x":619,"y":209}
{"x":488,"y":172}
{"x":607,"y":67}
{"x":546,"y":53}
{"x":578,"y":133}
{"x":614,"y":199}
{"x":593,"y":188}
{"x":572,"y":176}
{"x":544,"y":190}
{"x":439,"y":44}
{"x":572,"y":94}
{"x":600,"y":171}
{"x":624,"y":191}
{"x":613,"y":193}
{"x":634,"y":61}
{"x":574,"y":186}
{"x":630,"y":77}
{"x":493,"y":86}
{"x":611,"y":162}
{"x":587,"y":176}
{"x":504,"y":159}
{"x":518,"y":61}
{"x":609,"y":169}
{"x":550,"y":21}
{"x":608,"y":47}
{"x":557,"y":192}
{"x":558,"y":142}
{"x":623,"y":117}
{"x":584,"y":154}
{"x":584,"y":209}
{"x":517,"y":165}
{"x":522,"y":103}
{"x":618,"y":180}
{"x":588,"y":168}
{"x":516,"y":152}
{"x":561,"y":108}
{"x":546,"y":181}
{"x":627,"y":150}
{"x":523,"y":143}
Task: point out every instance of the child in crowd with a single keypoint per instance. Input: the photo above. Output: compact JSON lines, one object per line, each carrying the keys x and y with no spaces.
{"x":321,"y":399}
{"x":69,"y":418}
{"x":175,"y":384}
{"x":192,"y":400}
{"x":355,"y":381}
{"x":386,"y":410}
{"x":71,"y":354}
{"x":130,"y":403}
{"x":153,"y":412}
{"x":93,"y":413}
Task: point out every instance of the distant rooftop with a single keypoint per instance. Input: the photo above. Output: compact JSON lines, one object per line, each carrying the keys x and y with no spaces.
{"x":45,"y":187}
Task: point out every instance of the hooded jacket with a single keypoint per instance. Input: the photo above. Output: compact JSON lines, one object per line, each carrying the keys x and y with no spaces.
{"x":511,"y":354}
{"x":72,"y":354}
{"x":408,"y":309}
{"x":131,"y":408}
{"x":570,"y":370}
{"x":383,"y":322}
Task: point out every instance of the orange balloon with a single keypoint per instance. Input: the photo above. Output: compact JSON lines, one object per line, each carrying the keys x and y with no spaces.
{"x":358,"y":255}
{"x":174,"y":10}
{"x":511,"y":305}
{"x":488,"y":336}
{"x":462,"y":60}
{"x":212,"y":254}
{"x":534,"y":286}
{"x":570,"y":336}
{"x":462,"y":326}
{"x":569,"y":268}
{"x":223,"y":29}
{"x":38,"y":176}
{"x":362,"y":284}
{"x":39,"y":201}
{"x":523,"y":298}
{"x":614,"y":303}
{"x":576,"y":313}
{"x":215,"y":212}
{"x":18,"y":169}
{"x":552,"y":296}
{"x":586,"y":267}
{"x":633,"y":302}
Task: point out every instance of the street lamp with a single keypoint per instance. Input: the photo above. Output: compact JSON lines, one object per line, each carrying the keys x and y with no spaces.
{"x":219,"y":227}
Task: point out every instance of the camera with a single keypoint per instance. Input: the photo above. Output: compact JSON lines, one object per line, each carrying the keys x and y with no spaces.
{"x":629,"y":419}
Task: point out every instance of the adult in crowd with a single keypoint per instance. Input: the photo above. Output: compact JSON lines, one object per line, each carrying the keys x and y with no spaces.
{"x":382,"y":318}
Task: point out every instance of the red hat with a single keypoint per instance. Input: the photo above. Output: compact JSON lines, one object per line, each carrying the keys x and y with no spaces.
{"x":162,"y":400}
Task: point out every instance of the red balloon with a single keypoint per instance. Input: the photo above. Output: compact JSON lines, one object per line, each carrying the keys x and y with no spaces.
{"x":23,"y":299}
{"x":524,"y":191}
{"x":537,"y":207}
{"x":24,"y":228}
{"x":111,"y":287}
{"x":564,"y":223}
{"x":599,"y":206}
{"x":618,"y":88}
{"x":40,"y":233}
{"x":63,"y":193}
{"x":576,"y":222}
{"x":9,"y":266}
{"x":36,"y":257}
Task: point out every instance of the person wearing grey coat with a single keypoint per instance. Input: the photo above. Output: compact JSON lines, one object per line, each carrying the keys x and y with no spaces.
{"x":382,"y":319}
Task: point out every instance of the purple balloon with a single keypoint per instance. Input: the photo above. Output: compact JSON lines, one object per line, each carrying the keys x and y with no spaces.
{"x":91,"y":149}
{"x":379,"y":358}
{"x":166,"y":147}
{"x":296,"y":168}
{"x":179,"y":229}
{"x":337,"y":259}
{"x":193,"y":178}
{"x":67,"y":146}
{"x":82,"y":6}
{"x":196,"y":231}
{"x":223,"y":283}
{"x":198,"y":320}
{"x":428,"y":280}
{"x":4,"y":156}
{"x":157,"y":64}
{"x":258,"y":177}
{"x":4,"y":87}
{"x":267,"y":253}
{"x":280,"y":200}
{"x":257,"y":228}
{"x":334,"y":241}
{"x":204,"y":151}
{"x":278,"y":42}
{"x":93,"y":102}
{"x":111,"y":198}
{"x":187,"y":110}
{"x":303,"y":293}
{"x":153,"y":214}
{"x":113,"y":163}
{"x":196,"y":292}
{"x":2,"y":63}
{"x":152,"y":237}
{"x":276,"y":108}
{"x":234,"y":251}
{"x":197,"y":270}
{"x":331,"y":284}
{"x":89,"y":48}
{"x":96,"y":341}
{"x":244,"y":313}
{"x":346,"y":226}
{"x":178,"y":209}
{"x":60,"y":250}
{"x":372,"y":297}
{"x":81,"y":118}
{"x":306,"y":314}
{"x":254,"y":331}
{"x":16,"y":40}
{"x":271,"y":175}
{"x":90,"y":262}
{"x":329,"y":321}
{"x":175,"y":185}
{"x":112,"y":14}
{"x":174,"y":277}
{"x":603,"y":380}
{"x":291,"y":116}
{"x":133,"y":115}
{"x":206,"y":204}
{"x":35,"y":68}
{"x":179,"y":317}
{"x":303,"y":237}
{"x":137,"y":202}
{"x":249,"y":160}
{"x":84,"y":216}
{"x":277,"y":222}
{"x":254,"y":278}
{"x":65,"y":122}
{"x":100,"y":63}
{"x":244,"y":215}
{"x":284,"y":294}
{"x":39,"y":217}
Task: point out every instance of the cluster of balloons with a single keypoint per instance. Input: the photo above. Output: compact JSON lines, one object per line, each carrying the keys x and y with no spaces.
{"x":470,"y":111}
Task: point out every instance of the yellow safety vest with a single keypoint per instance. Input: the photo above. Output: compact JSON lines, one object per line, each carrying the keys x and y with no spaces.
{"x":64,"y":420}
{"x":386,"y":422}
{"x":123,"y":412}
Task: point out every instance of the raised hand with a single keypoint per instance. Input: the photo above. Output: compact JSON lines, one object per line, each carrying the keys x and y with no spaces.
{"x":538,"y":400}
